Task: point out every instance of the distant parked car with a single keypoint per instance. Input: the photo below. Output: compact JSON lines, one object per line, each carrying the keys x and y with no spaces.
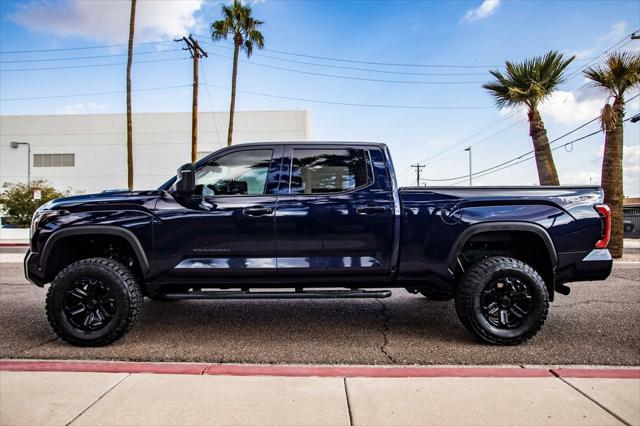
{"x":4,"y":222}
{"x":628,"y":226}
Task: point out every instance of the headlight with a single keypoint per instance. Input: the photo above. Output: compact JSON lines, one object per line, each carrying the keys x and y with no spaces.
{"x":40,"y":216}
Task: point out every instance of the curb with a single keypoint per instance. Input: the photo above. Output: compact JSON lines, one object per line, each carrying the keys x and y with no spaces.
{"x":314,"y":371}
{"x":14,"y":244}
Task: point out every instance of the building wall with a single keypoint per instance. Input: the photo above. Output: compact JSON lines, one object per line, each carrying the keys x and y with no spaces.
{"x":162,"y":142}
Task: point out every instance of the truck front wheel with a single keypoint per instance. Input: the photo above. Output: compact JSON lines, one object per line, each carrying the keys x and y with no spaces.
{"x":93,"y":302}
{"x":502,"y":301}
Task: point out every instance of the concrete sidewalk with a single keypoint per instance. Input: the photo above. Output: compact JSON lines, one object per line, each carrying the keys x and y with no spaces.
{"x":219,"y":394}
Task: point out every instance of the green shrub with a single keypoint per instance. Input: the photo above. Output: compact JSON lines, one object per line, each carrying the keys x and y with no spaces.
{"x":17,"y":200}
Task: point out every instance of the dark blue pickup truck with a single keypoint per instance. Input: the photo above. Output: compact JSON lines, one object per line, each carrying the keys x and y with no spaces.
{"x":314,"y":220}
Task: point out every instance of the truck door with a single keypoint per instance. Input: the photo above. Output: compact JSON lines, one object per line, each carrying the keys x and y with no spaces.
{"x":226,"y":231}
{"x":335,"y":217}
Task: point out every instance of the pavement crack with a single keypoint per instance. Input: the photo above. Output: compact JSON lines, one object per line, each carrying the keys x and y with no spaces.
{"x":346,"y":393}
{"x":38,"y":345}
{"x":385,"y":331}
{"x":620,"y":419}
{"x":112,"y":387}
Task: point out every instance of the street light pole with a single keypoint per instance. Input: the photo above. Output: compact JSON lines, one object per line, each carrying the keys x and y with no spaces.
{"x":470,"y":168}
{"x":16,"y":145}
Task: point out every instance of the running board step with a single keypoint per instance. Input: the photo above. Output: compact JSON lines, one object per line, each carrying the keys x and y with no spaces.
{"x":309,"y":294}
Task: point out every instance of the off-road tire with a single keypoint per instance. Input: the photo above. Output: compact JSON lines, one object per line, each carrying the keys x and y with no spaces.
{"x":126,"y":293}
{"x":474,"y":282}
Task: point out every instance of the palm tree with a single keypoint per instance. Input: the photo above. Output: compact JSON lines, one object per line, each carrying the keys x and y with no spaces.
{"x":620,"y":73}
{"x":238,"y":23}
{"x":528,"y":83}
{"x":132,"y":20}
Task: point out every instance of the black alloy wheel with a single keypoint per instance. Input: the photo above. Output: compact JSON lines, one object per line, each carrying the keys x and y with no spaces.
{"x":89,"y":304}
{"x":506,"y":302}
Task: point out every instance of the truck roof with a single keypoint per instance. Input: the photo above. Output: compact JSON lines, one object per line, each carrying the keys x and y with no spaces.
{"x":318,"y":143}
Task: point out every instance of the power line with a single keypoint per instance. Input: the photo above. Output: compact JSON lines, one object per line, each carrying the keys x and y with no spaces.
{"x":88,"y":57}
{"x":326,"y":58}
{"x":113,"y":92}
{"x":519,"y":157}
{"x":344,"y":67}
{"x":65,"y":49}
{"x":572,"y":75}
{"x":348,"y":77}
{"x":111,"y":64}
{"x":213,"y":115}
{"x":319,"y":101}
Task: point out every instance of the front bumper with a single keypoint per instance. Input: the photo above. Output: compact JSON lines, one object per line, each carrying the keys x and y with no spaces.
{"x":32,"y":270}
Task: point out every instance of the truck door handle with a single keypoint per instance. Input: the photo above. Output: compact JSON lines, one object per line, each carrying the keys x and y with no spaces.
{"x":370,"y":209}
{"x":257,"y":211}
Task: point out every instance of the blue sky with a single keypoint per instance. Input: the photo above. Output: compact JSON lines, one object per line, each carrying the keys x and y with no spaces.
{"x":475,"y":36}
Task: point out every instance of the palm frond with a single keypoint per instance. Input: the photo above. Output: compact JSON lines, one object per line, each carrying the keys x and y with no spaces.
{"x":237,"y":21}
{"x":619,"y":73}
{"x":528,"y":82}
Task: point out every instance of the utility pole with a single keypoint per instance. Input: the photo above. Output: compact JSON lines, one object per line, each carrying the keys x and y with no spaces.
{"x":418,"y":167}
{"x":196,"y":53}
{"x":470,"y":168}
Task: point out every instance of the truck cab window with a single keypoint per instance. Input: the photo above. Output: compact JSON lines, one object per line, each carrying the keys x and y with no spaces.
{"x":237,"y":173}
{"x":322,"y":171}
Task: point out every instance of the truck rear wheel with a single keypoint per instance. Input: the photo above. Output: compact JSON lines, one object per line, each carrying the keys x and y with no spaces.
{"x":502,"y":301}
{"x":93,"y":302}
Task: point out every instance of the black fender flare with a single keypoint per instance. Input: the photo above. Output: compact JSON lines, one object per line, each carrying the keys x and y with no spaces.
{"x":504,"y":226}
{"x":96,"y":230}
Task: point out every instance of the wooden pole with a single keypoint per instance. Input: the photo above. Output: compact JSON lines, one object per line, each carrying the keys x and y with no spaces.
{"x":194,"y":111}
{"x":132,"y":20}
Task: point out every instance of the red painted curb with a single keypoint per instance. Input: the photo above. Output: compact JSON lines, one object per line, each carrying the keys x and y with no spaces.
{"x":312,"y":371}
{"x":14,"y":244}
{"x":597,"y":373}
{"x":103,"y":367}
{"x":389,"y":372}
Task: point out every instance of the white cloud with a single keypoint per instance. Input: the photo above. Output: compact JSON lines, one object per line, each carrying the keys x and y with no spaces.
{"x":486,"y":9}
{"x":570,"y":108}
{"x":109,"y":20}
{"x":617,"y":32}
{"x":631,"y":171}
{"x":81,"y":108}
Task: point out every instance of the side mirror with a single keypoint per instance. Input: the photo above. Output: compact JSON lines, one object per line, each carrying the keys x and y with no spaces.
{"x":185,"y":180}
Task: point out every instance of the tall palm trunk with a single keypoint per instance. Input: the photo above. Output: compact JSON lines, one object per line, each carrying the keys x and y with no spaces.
{"x":234,"y":77}
{"x":547,"y":174}
{"x":611,"y":179}
{"x":132,"y":20}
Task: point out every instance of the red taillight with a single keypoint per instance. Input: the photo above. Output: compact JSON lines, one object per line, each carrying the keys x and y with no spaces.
{"x":605,"y":214}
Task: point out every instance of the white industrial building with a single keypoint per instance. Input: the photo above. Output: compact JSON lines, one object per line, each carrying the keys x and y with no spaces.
{"x":87,"y":153}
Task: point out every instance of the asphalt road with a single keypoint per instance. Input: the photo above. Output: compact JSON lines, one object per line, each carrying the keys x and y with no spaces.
{"x":599,"y":323}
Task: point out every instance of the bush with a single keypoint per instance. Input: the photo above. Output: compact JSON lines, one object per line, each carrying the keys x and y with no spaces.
{"x":17,"y":199}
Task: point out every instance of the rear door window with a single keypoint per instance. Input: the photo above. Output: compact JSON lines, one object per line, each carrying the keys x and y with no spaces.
{"x":328,"y":171}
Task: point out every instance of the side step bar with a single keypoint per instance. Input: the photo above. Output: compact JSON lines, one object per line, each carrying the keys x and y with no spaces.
{"x":309,"y":294}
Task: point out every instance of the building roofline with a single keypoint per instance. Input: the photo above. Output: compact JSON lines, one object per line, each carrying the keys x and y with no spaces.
{"x":152,"y":113}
